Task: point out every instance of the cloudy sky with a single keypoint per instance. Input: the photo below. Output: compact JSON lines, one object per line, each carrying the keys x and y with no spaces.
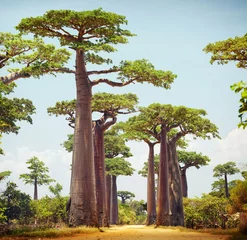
{"x":171,"y":34}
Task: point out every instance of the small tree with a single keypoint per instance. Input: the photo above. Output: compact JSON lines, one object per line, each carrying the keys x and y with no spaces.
{"x":223,"y":170}
{"x":37,"y":175}
{"x":124,"y":195}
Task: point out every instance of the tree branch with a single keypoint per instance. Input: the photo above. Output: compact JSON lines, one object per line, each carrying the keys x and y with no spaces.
{"x":111,"y":83}
{"x":14,"y":76}
{"x":103,"y":71}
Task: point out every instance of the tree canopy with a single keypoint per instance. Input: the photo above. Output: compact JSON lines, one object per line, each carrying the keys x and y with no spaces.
{"x":232,"y":50}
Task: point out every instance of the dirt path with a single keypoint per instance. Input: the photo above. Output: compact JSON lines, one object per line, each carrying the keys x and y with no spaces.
{"x":145,"y":233}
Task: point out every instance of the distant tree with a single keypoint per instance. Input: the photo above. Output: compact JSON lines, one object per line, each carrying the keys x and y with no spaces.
{"x":187,"y":160}
{"x":218,"y":187}
{"x":232,"y":50}
{"x":124,"y":195}
{"x":115,"y":167}
{"x":56,"y":190}
{"x":37,"y":175}
{"x":223,"y":170}
{"x":16,"y":204}
{"x":88,"y":33}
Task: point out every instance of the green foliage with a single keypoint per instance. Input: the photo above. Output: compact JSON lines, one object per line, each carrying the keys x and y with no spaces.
{"x":238,"y":197}
{"x":118,"y":166}
{"x":16,"y":204}
{"x":49,"y":211}
{"x":241,"y":87}
{"x":232,"y":49}
{"x":228,"y":168}
{"x":4,"y":175}
{"x":97,"y":30}
{"x":207,"y":211}
{"x":37,"y":173}
{"x":33,"y":57}
{"x":218,"y":187}
{"x":13,"y":110}
{"x":192,"y":159}
{"x":132,"y":213}
{"x":56,"y":190}
{"x":144,"y":171}
{"x":124,"y":195}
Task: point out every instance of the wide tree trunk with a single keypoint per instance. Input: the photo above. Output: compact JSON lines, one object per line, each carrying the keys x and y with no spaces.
{"x":163,"y":213}
{"x":175,"y":183}
{"x":100,"y":176}
{"x":35,"y":195}
{"x":226,"y":186}
{"x":82,"y":210}
{"x":114,"y":201}
{"x":108,"y":194}
{"x":151,"y":203}
{"x":184,"y":182}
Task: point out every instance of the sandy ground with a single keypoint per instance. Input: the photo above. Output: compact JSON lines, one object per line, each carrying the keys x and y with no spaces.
{"x":145,"y":233}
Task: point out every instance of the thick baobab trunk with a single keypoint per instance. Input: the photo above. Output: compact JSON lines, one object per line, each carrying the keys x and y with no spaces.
{"x":35,"y":195}
{"x":163,"y":213}
{"x":184,"y":182}
{"x":226,"y":186}
{"x":175,"y":183}
{"x":108,"y":194}
{"x":82,"y":209}
{"x":151,"y":206}
{"x":100,"y":177}
{"x":114,"y":201}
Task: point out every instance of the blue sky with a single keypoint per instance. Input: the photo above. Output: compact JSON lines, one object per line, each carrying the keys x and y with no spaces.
{"x":171,"y":35}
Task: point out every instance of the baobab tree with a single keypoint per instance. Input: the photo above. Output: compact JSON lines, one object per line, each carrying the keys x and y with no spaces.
{"x":223,"y":170}
{"x":88,"y":33}
{"x":110,"y":105}
{"x":187,"y":160}
{"x":37,"y":176}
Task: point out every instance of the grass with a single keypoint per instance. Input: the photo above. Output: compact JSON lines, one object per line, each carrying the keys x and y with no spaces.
{"x":48,"y":233}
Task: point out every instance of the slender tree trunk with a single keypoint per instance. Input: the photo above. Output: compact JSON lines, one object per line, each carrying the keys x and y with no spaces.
{"x":114,"y":201}
{"x":163,"y":213}
{"x":35,"y":195}
{"x":82,"y":209}
{"x":99,"y":153}
{"x":175,"y":183}
{"x":226,"y":186}
{"x":184,"y":182}
{"x":108,"y":194}
{"x":123,"y":200}
{"x":151,"y":205}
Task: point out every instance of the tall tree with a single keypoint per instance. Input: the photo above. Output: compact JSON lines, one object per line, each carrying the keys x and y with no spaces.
{"x":88,"y":33}
{"x":187,"y":160}
{"x":137,"y":129}
{"x":223,"y":170}
{"x":161,"y":119}
{"x":110,"y":105}
{"x":37,"y":176}
{"x":115,"y":167}
{"x":232,"y":50}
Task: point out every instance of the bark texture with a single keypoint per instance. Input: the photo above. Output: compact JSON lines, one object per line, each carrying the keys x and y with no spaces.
{"x":151,"y":203}
{"x":100,"y":177}
{"x":175,"y":183}
{"x":35,"y":195}
{"x":163,"y":213}
{"x":108,"y":195}
{"x":114,"y":201}
{"x":184,"y":182}
{"x":82,"y":188}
